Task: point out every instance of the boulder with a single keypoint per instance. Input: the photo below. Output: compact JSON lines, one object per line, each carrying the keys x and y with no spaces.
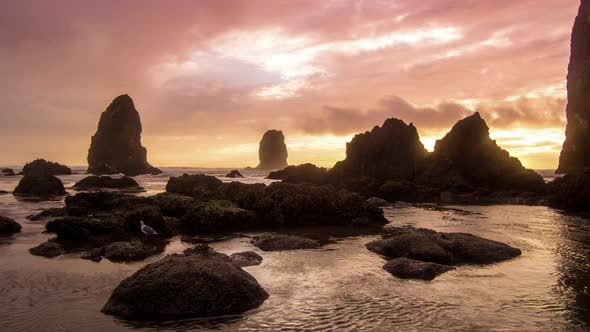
{"x":116,"y":145}
{"x":193,"y":185}
{"x":281,"y":242}
{"x":246,"y":258}
{"x":8,"y":226}
{"x":41,"y":167}
{"x":406,"y":268}
{"x":571,"y":192}
{"x":234,"y":174}
{"x":8,"y":172}
{"x":48,"y":249}
{"x":126,"y":251}
{"x":390,"y":152}
{"x":305,"y":173}
{"x":378,"y":202}
{"x":3,"y":192}
{"x":443,"y":248}
{"x":197,"y":283}
{"x":575,"y":155}
{"x":106,"y":182}
{"x":216,"y":216}
{"x":467,"y":157}
{"x":273,"y":151}
{"x":45,"y":214}
{"x":43,"y":186}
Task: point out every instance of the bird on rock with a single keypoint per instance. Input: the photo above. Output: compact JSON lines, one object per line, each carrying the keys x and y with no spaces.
{"x":147,"y":230}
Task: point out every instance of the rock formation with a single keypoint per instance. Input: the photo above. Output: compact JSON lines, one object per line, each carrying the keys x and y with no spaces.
{"x":575,"y":155}
{"x":273,"y":151}
{"x":198,"y":283}
{"x":304,"y":173}
{"x":405,"y":268}
{"x":8,"y":225}
{"x":41,"y":167}
{"x":246,"y":258}
{"x":106,"y":182}
{"x":116,"y":146}
{"x":281,"y":242}
{"x":234,"y":174}
{"x":468,"y":158}
{"x":8,"y":172}
{"x":42,"y":186}
{"x":390,"y":152}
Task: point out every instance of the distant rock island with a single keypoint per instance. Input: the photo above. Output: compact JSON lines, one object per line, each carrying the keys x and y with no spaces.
{"x":116,"y":146}
{"x":273,"y":151}
{"x":42,"y":167}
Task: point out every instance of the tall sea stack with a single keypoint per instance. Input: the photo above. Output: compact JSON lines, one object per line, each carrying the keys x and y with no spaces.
{"x":273,"y":151}
{"x":575,"y":155}
{"x":116,"y":146}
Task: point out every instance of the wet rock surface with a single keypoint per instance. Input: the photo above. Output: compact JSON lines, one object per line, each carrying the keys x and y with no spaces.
{"x":126,"y":251}
{"x":48,"y":249}
{"x":107,"y":182}
{"x":376,"y":201}
{"x":41,"y":186}
{"x":8,"y":226}
{"x":116,"y":145}
{"x":571,"y":192}
{"x":280,"y":242}
{"x":406,"y":268}
{"x":246,"y":258}
{"x":197,"y":283}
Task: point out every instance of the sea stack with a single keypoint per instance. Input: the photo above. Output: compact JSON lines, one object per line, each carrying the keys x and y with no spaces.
{"x":392,"y":151}
{"x":273,"y":151}
{"x":116,"y":146}
{"x":575,"y":155}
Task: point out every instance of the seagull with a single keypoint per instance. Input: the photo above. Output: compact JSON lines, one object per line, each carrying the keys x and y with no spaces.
{"x":147,"y":230}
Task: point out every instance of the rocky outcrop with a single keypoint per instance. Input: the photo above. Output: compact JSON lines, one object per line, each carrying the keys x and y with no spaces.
{"x":8,"y":172}
{"x":48,"y":249}
{"x":273,"y":151}
{"x":41,"y":186}
{"x":467,"y":158}
{"x":378,"y":202}
{"x":234,"y":174}
{"x":116,"y":145}
{"x":443,"y":248}
{"x":246,"y":258}
{"x":390,"y":152}
{"x":193,"y":185}
{"x":575,"y":155}
{"x":571,"y":192}
{"x":126,"y":251}
{"x":107,"y":182}
{"x":305,"y":173}
{"x":8,"y":226}
{"x":280,"y":242}
{"x":216,"y":216}
{"x":406,"y":268}
{"x":41,"y":167}
{"x":198,"y":283}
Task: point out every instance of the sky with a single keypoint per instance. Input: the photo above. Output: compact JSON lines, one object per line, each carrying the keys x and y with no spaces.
{"x":210,"y":77}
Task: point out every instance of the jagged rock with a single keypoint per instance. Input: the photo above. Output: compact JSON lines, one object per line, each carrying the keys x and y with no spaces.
{"x":8,"y":172}
{"x":378,"y":202}
{"x":198,"y":283}
{"x":443,"y":248}
{"x":280,"y":242}
{"x":116,"y":145}
{"x":8,"y":225}
{"x":571,"y":192}
{"x":41,"y":167}
{"x":48,"y":249}
{"x":466,"y":157}
{"x":273,"y":151}
{"x":234,"y":174}
{"x":107,"y":182}
{"x":390,"y":152}
{"x":43,"y":186}
{"x":305,"y":173}
{"x":575,"y":155}
{"x":406,"y":268}
{"x":246,"y":258}
{"x":193,"y":185}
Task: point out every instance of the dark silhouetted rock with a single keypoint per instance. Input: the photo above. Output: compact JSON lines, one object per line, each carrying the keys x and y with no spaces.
{"x":8,"y":172}
{"x":41,"y":167}
{"x":48,"y":249}
{"x":575,"y":155}
{"x":305,"y":173}
{"x":198,"y":283}
{"x":273,"y":151}
{"x":571,"y":192}
{"x":43,"y":186}
{"x":8,"y":226}
{"x":193,"y":185}
{"x":246,"y":258}
{"x":125,"y":251}
{"x":443,"y":248}
{"x":45,"y":214}
{"x":376,"y":201}
{"x":390,"y":152}
{"x":234,"y":174}
{"x":407,"y":191}
{"x":281,"y":242}
{"x":406,"y":268}
{"x":116,"y":145}
{"x":107,"y":182}
{"x":467,"y":157}
{"x":216,"y":216}
{"x":3,"y":192}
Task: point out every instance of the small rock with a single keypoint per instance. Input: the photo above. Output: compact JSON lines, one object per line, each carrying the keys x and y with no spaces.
{"x":246,"y":258}
{"x":8,"y":225}
{"x":48,"y":249}
{"x":8,"y":172}
{"x":378,"y":202}
{"x":42,"y":167}
{"x":100,"y":182}
{"x":234,"y":174}
{"x":406,"y":268}
{"x":285,"y":242}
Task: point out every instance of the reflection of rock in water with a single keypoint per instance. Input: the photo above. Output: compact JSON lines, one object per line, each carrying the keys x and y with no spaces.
{"x":574,"y":268}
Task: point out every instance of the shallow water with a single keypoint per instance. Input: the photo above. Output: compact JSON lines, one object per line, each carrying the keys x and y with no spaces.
{"x":340,"y":287}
